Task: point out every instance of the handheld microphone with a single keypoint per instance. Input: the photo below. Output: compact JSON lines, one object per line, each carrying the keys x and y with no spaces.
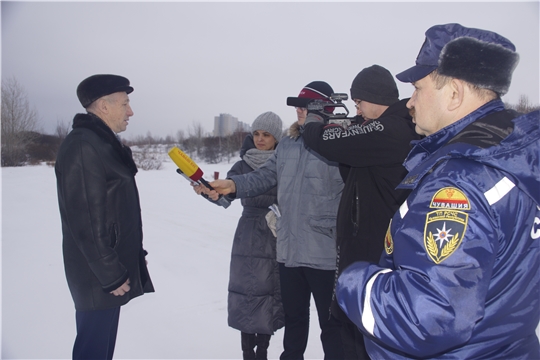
{"x":192,"y":172}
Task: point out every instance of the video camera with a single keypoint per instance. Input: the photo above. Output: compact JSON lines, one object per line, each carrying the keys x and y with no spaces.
{"x":321,"y":106}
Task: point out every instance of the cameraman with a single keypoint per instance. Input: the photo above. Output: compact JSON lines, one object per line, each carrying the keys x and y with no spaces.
{"x":370,"y":153}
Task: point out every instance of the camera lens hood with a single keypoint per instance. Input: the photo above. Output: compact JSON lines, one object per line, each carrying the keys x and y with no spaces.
{"x":298,"y":102}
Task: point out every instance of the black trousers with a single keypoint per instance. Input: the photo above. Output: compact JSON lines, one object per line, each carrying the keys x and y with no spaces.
{"x":96,"y":334}
{"x":297,"y":286}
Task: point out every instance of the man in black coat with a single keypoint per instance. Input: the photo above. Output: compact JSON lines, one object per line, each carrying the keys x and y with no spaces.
{"x":104,"y":259}
{"x":370,"y":152}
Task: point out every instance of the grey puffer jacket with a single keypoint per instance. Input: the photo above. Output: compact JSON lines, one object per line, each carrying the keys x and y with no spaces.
{"x":309,"y":191}
{"x":254,"y":301}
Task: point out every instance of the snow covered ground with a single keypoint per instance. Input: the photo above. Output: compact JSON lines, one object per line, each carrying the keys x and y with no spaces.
{"x":189,"y":242}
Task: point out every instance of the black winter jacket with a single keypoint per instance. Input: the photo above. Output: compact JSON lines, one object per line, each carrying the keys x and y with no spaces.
{"x":370,"y":155}
{"x":101,"y":216}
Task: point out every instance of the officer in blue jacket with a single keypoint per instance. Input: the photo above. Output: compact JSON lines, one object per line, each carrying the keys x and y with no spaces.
{"x":459,"y":278}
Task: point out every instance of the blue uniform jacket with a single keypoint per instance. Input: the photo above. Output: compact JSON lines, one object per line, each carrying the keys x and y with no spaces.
{"x":459,"y":278}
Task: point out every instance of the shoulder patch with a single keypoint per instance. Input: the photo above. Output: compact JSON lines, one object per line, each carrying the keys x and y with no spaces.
{"x":450,"y":198}
{"x":443,"y":232}
{"x":388,"y":241}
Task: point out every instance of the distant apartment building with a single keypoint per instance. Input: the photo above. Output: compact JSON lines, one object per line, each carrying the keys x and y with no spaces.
{"x":226,"y":124}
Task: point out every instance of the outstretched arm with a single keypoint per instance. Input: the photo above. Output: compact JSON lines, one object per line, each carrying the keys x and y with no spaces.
{"x":223,"y":187}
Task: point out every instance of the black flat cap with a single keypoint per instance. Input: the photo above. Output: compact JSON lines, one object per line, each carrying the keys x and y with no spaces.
{"x":96,"y":86}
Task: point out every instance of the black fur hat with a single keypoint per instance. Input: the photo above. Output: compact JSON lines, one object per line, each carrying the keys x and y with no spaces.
{"x":480,"y":57}
{"x":486,"y":65}
{"x":96,"y":86}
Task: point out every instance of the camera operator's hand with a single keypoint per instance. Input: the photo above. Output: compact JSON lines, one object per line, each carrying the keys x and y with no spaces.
{"x":316,"y":116}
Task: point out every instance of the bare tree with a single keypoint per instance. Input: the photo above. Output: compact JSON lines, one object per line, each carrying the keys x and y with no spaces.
{"x":62,"y":129}
{"x":211,"y":151}
{"x":196,"y":132}
{"x":149,"y":139}
{"x":168,"y":140}
{"x":19,"y":123}
{"x":523,"y":106}
{"x":180,"y":136}
{"x":232,"y":144}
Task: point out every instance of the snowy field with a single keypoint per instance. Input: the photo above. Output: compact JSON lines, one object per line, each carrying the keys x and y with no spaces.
{"x":189,"y":243}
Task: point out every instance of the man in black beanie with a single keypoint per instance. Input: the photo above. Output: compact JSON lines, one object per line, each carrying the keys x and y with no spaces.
{"x":373,"y":90}
{"x":370,"y":153}
{"x":104,"y":259}
{"x":460,"y":275}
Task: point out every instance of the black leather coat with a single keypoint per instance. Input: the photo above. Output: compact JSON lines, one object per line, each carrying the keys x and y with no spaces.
{"x":101,"y":216}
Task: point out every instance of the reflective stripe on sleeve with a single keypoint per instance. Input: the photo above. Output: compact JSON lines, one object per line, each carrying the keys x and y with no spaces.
{"x":500,"y":189}
{"x":403,"y":209}
{"x":368,"y":319}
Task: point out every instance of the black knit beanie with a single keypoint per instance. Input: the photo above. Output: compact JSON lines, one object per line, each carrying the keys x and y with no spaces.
{"x":376,"y":85}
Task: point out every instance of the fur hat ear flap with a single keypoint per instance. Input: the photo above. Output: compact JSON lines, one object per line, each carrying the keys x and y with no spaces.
{"x":486,"y":65}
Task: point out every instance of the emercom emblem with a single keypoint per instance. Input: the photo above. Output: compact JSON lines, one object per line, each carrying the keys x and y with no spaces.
{"x":443,"y":232}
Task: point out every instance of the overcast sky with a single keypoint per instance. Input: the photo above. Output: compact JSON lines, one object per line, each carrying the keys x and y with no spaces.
{"x":191,"y":61}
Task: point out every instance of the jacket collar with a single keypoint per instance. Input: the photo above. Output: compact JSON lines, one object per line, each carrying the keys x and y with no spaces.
{"x":425,"y":153}
{"x":400,"y":109}
{"x":95,"y":124}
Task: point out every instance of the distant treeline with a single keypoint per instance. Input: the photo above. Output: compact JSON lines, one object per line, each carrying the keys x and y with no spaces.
{"x":23,"y":144}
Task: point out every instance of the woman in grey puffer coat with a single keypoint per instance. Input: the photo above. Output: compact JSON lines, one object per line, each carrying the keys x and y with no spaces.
{"x":254,"y":301}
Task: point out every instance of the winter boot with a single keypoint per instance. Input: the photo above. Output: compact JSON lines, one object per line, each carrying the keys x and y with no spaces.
{"x":248,"y":343}
{"x":263,"y":341}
